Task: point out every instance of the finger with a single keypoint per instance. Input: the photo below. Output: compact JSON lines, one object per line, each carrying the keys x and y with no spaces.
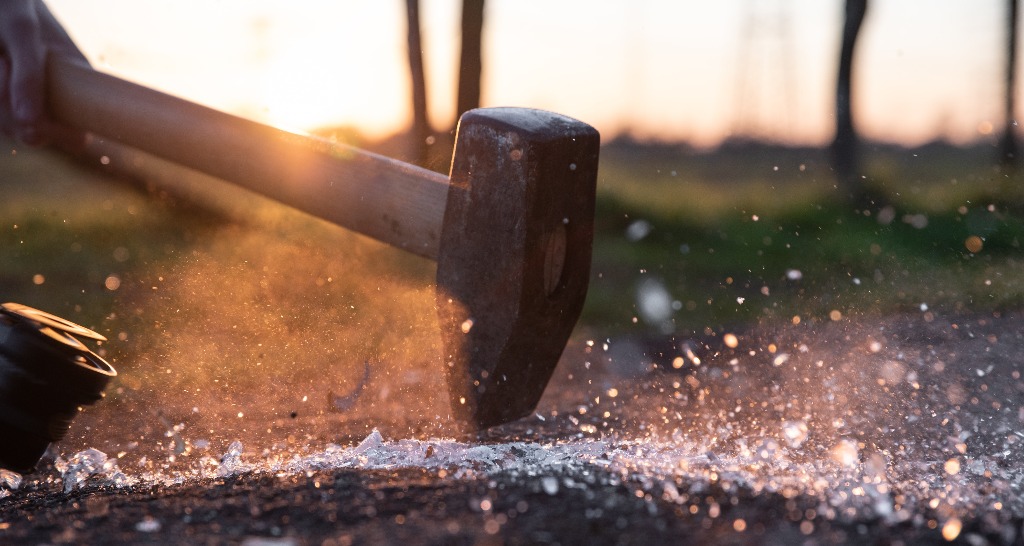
{"x":27,"y":58}
{"x":6,"y":121}
{"x":5,"y":76}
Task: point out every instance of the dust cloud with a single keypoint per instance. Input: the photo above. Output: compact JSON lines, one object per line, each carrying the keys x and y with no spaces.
{"x":267,"y":327}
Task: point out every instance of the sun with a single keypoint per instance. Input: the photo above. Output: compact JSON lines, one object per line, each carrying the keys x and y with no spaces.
{"x":309,"y":83}
{"x":300,"y":95}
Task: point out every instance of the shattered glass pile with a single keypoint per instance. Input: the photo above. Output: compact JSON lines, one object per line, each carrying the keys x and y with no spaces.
{"x":9,"y":481}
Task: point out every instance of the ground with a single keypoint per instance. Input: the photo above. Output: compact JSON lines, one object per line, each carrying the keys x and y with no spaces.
{"x":917,"y":436}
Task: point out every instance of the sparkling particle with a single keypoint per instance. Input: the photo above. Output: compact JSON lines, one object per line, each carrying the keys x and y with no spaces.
{"x":38,"y":279}
{"x":794,"y":274}
{"x":835,"y":316}
{"x":112,"y":282}
{"x":952,"y":466}
{"x":973,"y":244}
{"x":951,"y":529}
{"x":794,"y":432}
{"x":231,"y":461}
{"x":638,"y":230}
{"x":730,"y":340}
{"x":9,"y":480}
{"x":372,"y":441}
{"x":653,"y":301}
{"x":845,"y":453}
{"x":148,"y":524}
{"x":688,"y":349}
{"x":917,"y":221}
{"x":86,"y":464}
{"x":467,"y":325}
{"x":550,"y":485}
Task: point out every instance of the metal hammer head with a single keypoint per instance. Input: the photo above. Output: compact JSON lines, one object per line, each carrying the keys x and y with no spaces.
{"x":514,"y":259}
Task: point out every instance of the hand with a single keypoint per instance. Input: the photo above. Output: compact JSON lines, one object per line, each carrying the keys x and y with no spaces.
{"x":28,"y":34}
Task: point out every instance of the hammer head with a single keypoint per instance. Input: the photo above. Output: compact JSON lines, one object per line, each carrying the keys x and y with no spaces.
{"x":514,"y":259}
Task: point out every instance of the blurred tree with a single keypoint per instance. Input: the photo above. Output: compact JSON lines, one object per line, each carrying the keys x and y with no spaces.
{"x":845,"y":146}
{"x":1008,"y":146}
{"x":470,"y":58}
{"x":420,"y":124}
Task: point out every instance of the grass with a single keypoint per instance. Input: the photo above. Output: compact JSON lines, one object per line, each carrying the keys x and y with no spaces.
{"x":756,"y":234}
{"x":749,"y":232}
{"x":738,"y":222}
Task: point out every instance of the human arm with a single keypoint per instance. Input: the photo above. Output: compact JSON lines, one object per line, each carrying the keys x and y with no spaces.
{"x":29,"y":33}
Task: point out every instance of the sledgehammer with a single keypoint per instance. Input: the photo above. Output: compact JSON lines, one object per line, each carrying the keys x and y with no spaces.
{"x":511,"y":227}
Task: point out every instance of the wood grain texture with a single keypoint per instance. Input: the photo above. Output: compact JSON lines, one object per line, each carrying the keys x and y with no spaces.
{"x":391,"y":201}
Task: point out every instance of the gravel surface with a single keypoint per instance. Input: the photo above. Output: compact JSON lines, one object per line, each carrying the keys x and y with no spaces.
{"x":904,"y":429}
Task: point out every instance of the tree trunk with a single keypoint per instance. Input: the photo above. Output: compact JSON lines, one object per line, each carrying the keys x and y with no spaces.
{"x":470,"y":59}
{"x":845,"y":146}
{"x":420,"y":124}
{"x":1008,"y":152}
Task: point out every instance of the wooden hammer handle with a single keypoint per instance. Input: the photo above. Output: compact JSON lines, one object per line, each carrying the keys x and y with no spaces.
{"x":391,"y":201}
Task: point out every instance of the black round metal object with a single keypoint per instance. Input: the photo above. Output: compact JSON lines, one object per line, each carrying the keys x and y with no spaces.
{"x":46,"y":375}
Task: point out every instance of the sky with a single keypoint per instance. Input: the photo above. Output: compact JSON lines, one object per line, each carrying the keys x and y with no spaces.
{"x":664,"y":69}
